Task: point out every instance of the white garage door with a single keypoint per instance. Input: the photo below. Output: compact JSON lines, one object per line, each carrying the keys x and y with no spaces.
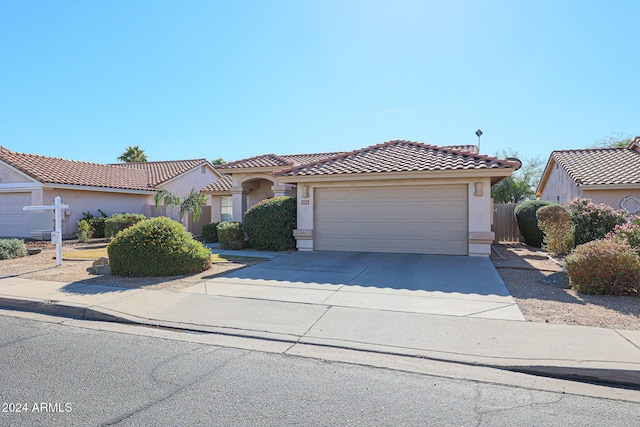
{"x":14,"y":222}
{"x":424,"y":219}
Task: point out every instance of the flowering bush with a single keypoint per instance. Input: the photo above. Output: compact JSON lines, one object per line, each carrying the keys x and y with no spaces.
{"x":604,"y":267}
{"x":593,"y":222}
{"x":628,"y":232}
{"x":555,"y":223}
{"x":157,"y":247}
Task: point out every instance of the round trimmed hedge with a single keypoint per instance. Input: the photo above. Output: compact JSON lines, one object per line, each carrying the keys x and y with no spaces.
{"x":157,"y":247}
{"x":269,"y":224}
{"x":527,"y":221}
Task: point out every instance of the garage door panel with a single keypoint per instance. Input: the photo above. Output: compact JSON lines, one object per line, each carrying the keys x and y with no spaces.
{"x":426,"y":219}
{"x":14,"y":222}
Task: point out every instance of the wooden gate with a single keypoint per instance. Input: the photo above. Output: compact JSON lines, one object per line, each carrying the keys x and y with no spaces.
{"x":504,"y":223}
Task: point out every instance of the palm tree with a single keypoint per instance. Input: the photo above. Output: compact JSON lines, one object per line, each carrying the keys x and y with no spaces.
{"x":133,"y":154}
{"x":193,"y":203}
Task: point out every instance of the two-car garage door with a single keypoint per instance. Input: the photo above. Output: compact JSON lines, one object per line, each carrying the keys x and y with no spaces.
{"x":403,"y":219}
{"x":14,"y":222}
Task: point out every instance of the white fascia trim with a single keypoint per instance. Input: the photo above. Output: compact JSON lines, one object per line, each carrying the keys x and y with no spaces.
{"x":465,"y":174}
{"x":589,"y":187}
{"x":98,"y":189}
{"x":19,"y":186}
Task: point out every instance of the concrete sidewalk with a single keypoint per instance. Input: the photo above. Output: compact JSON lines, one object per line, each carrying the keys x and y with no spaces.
{"x":583,"y":353}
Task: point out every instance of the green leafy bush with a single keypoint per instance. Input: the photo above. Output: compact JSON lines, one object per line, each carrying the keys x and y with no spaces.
{"x":157,"y":247}
{"x":230,"y":235}
{"x":85,"y":231}
{"x":525,"y":214}
{"x":118,"y":222}
{"x":594,"y":222}
{"x":269,"y":224}
{"x":629,"y":233}
{"x":12,"y":248}
{"x":604,"y":267}
{"x":96,"y":223}
{"x":209,"y":232}
{"x":555,"y":223}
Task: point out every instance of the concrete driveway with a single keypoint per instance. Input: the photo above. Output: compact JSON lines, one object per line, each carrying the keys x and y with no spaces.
{"x":431,"y":284}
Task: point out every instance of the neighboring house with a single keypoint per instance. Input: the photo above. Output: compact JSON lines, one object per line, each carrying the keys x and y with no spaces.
{"x":400,"y":196}
{"x":604,"y":175}
{"x":28,"y":179}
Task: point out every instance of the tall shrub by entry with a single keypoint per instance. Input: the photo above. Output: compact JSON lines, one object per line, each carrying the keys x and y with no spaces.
{"x":118,"y":222}
{"x":269,"y":224}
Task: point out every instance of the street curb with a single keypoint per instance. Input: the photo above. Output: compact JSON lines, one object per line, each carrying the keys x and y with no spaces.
{"x":628,"y":379}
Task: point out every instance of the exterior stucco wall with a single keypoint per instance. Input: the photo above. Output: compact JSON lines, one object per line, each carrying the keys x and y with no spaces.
{"x":215,"y":202}
{"x":479,"y":208}
{"x":612,"y":198}
{"x":192,"y":180}
{"x":82,"y":201}
{"x":9,"y":176}
{"x":560,"y":187}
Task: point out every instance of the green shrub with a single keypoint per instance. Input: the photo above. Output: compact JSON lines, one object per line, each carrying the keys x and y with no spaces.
{"x":594,"y":222}
{"x":555,"y":223}
{"x":157,"y":247}
{"x":12,"y":248}
{"x":269,"y":224}
{"x":85,"y":231}
{"x":230,"y":235}
{"x":96,"y":223}
{"x":629,"y":233}
{"x":118,"y":222}
{"x":525,"y":214}
{"x":209,"y":232}
{"x":604,"y":267}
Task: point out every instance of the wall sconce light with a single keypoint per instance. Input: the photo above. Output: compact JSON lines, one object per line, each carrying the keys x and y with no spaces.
{"x":478,"y":188}
{"x":305,"y":191}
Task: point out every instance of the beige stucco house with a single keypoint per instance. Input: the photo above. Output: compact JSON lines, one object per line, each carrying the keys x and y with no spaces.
{"x":28,"y":179}
{"x":604,"y":175}
{"x":399,"y":196}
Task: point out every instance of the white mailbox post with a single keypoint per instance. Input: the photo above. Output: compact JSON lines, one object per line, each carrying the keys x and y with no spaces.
{"x":56,"y":234}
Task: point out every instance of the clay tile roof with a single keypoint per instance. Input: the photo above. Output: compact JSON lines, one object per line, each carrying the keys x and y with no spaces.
{"x":600,"y":165}
{"x":222,"y":185}
{"x":54,"y":170}
{"x":274,"y":160}
{"x":159,"y":172}
{"x":399,"y":156}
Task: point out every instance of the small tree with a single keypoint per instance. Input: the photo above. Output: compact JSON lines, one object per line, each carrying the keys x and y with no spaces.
{"x":218,"y":161}
{"x":133,"y":154}
{"x":193,"y":203}
{"x":521,"y":184}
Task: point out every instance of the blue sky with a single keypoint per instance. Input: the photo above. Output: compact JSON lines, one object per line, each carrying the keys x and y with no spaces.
{"x":193,"y":79}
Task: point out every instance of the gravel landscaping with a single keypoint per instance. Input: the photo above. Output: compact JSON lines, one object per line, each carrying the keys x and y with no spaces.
{"x":536,"y":283}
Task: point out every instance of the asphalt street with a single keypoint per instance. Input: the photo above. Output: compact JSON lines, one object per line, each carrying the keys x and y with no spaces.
{"x":64,"y":375}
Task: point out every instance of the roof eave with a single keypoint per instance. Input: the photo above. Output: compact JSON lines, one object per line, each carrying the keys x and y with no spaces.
{"x":450,"y":173}
{"x":48,"y":186}
{"x":589,"y":187}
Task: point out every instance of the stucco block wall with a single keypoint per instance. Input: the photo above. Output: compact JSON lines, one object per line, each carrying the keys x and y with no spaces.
{"x":83,"y":201}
